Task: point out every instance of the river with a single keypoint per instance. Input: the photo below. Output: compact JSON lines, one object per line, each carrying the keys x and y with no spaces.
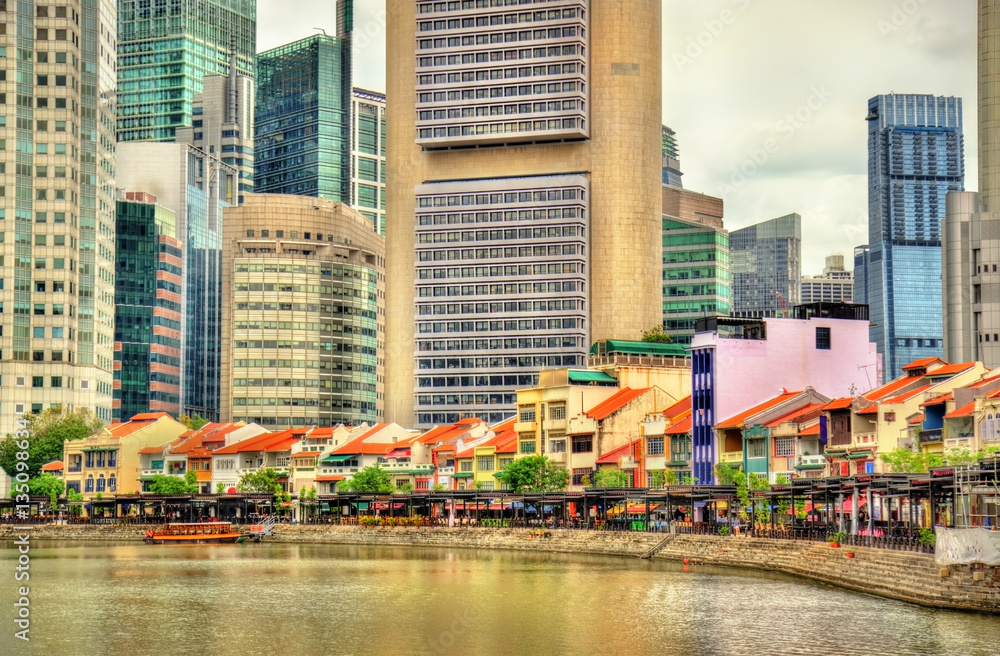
{"x":132,"y":599}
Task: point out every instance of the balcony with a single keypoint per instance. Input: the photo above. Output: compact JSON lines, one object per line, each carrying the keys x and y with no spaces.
{"x":865,"y":439}
{"x":810,"y":462}
{"x":906,"y":443}
{"x":557,"y":456}
{"x":930,"y":436}
{"x":446,"y":471}
{"x":731,"y":457}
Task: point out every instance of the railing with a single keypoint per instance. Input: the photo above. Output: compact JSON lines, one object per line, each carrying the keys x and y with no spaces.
{"x":811,"y":460}
{"x":731,"y":456}
{"x":446,"y":471}
{"x":865,"y":439}
{"x":638,"y":361}
{"x":930,"y":435}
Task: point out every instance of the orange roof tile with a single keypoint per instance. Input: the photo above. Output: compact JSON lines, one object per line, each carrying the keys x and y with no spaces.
{"x":678,"y":408}
{"x":892,"y":386}
{"x":906,"y":396}
{"x":994,"y":394}
{"x":283,"y":445}
{"x":736,"y":421}
{"x":797,"y":415}
{"x":922,"y":363}
{"x":810,"y":430}
{"x":681,"y":427}
{"x":952,"y":369}
{"x":257,"y":443}
{"x":149,"y":416}
{"x":615,"y":402}
{"x":611,"y":457}
{"x":150,"y":450}
{"x":916,"y":419}
{"x":839,"y":404}
{"x":938,"y":400}
{"x":870,"y":410}
{"x":327,"y":479}
{"x":964,"y":411}
{"x":358,"y":446}
{"x":55,"y":465}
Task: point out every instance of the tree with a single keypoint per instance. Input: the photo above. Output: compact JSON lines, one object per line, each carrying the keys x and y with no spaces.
{"x":534,"y":474}
{"x":262,"y":481}
{"x":220,"y":488}
{"x":369,"y":479}
{"x":904,"y":461}
{"x":74,"y":509}
{"x":46,"y":485}
{"x":612,"y":478}
{"x":193,"y":423}
{"x":656,"y":335}
{"x":163,"y":484}
{"x":47,"y":432}
{"x":658,"y":478}
{"x":438,"y":487}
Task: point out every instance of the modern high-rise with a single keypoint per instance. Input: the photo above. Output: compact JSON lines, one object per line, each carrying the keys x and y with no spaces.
{"x":192,"y":183}
{"x":304,"y":305}
{"x":970,"y":249}
{"x":368,"y":156}
{"x":670,"y":154}
{"x":915,"y":157}
{"x":695,"y":261}
{"x":57,"y":196}
{"x":835,"y":285}
{"x":303,"y":118}
{"x":765,"y":267}
{"x":523,"y":206}
{"x":148,"y":312}
{"x":166,"y":48}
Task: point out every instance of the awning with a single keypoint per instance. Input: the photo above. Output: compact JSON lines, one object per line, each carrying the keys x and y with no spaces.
{"x":804,"y":467}
{"x":591,"y":377}
{"x":835,"y":454}
{"x":398,"y":453}
{"x":332,"y":460}
{"x":849,"y":504}
{"x":462,"y":475}
{"x":328,"y":479}
{"x":862,"y":454}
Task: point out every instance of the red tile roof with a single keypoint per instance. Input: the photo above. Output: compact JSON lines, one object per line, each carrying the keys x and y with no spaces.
{"x":916,"y":419}
{"x":964,"y":411}
{"x":55,"y":465}
{"x":257,"y":443}
{"x":892,"y":386}
{"x":615,"y":402}
{"x":736,"y":421}
{"x":810,"y":430}
{"x":922,"y":363}
{"x":328,"y":479}
{"x":938,"y":400}
{"x":611,"y":457}
{"x":952,"y":369}
{"x":149,"y":416}
{"x":839,"y":404}
{"x":150,"y":450}
{"x":441,"y":434}
{"x":906,"y":396}
{"x":359,"y":445}
{"x":678,"y":408}
{"x":799,"y":415}
{"x":681,"y":427}
{"x":870,"y":410}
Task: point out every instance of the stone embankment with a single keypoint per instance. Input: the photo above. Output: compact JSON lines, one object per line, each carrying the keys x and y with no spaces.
{"x":900,"y":575}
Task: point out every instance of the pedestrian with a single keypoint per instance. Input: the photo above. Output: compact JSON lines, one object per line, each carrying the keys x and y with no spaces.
{"x":736,"y":525}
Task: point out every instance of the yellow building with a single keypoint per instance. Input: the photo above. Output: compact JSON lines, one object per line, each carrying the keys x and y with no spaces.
{"x":109,"y":461}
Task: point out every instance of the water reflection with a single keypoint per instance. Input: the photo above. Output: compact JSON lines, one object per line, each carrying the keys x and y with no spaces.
{"x":330,"y":599}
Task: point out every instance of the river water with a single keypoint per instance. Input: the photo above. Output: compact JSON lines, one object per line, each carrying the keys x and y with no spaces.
{"x":133,"y":599}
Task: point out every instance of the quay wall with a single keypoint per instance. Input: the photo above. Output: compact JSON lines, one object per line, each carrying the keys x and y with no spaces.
{"x":902,"y":575}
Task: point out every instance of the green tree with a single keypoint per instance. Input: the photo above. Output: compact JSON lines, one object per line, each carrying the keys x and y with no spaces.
{"x":163,"y":484}
{"x":47,"y":432}
{"x":220,"y":488}
{"x":75,"y":509}
{"x":46,"y":485}
{"x":727,"y":474}
{"x":369,"y":479}
{"x":262,"y":481}
{"x":612,"y":478}
{"x":438,"y":487}
{"x":191,"y":478}
{"x":534,"y":474}
{"x":658,"y":478}
{"x":904,"y":461}
{"x":656,"y":335}
{"x":193,"y":423}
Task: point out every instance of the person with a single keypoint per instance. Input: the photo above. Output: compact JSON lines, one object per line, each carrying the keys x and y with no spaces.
{"x":736,"y":525}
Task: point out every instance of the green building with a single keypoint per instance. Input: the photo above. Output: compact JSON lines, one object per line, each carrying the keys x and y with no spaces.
{"x":148,"y":309}
{"x":164,"y":51}
{"x":695,"y":274}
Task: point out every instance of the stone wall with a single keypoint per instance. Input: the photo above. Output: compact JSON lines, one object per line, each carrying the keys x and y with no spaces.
{"x":900,"y":575}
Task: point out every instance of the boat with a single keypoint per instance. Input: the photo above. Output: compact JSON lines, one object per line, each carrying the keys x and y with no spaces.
{"x":193,"y":533}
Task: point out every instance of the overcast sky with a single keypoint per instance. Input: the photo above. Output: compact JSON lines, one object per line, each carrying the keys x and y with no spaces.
{"x":774,"y":88}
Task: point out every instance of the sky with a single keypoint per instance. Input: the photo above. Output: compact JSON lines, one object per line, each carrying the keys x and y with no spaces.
{"x":768,"y":97}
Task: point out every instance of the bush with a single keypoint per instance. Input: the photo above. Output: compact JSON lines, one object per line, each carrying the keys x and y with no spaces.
{"x":927,"y":537}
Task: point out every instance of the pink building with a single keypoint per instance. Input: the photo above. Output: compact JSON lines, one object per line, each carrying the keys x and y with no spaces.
{"x":739,"y":363}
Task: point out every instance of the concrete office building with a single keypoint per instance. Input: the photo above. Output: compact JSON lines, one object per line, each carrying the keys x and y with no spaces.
{"x":303,"y":313}
{"x":368,"y":156}
{"x":164,"y":51}
{"x":192,"y":183}
{"x":524,"y":163}
{"x":836,"y":285}
{"x":57,"y":197}
{"x":765,"y":267}
{"x":970,"y":248}
{"x":915,"y":157}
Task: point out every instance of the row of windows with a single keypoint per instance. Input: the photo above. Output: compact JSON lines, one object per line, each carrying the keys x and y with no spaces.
{"x":500,"y":37}
{"x":505,"y":289}
{"x":499,"y":253}
{"x":497,"y":271}
{"x":506,"y":234}
{"x":512,"y":343}
{"x":324,"y":365}
{"x":496,"y":217}
{"x":483,"y":326}
{"x":508,"y":197}
{"x":575,"y":87}
{"x":339,"y":347}
{"x":522,"y":17}
{"x":498,"y":306}
{"x":513,"y":73}
{"x":509,"y":362}
{"x":500,"y":110}
{"x":575,"y":124}
{"x":296,"y":402}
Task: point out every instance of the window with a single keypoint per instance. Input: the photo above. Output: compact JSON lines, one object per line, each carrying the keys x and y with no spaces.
{"x":528,"y":447}
{"x":583,"y":443}
{"x":557,"y":412}
{"x":465,"y":466}
{"x":784,"y":446}
{"x":38,"y":381}
{"x":890,"y":416}
{"x":527,"y":414}
{"x":654,"y":446}
{"x":89,"y":485}
{"x":557,"y":446}
{"x":484,"y":463}
{"x":112,"y":484}
{"x":680,"y":448}
{"x":823,"y":339}
{"x":755,"y":449}
{"x":578,"y":475}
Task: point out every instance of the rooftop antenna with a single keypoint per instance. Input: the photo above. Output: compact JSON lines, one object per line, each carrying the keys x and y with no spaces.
{"x":321,"y":30}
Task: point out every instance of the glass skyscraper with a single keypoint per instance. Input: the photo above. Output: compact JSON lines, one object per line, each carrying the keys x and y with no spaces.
{"x":165,"y":48}
{"x":695,"y":274}
{"x":915,"y":157}
{"x":766,"y":268}
{"x":368,"y":156}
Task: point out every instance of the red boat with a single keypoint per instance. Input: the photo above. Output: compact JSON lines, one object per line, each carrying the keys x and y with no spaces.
{"x":193,"y":533}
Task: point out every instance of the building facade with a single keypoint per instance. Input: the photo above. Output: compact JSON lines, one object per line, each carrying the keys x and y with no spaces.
{"x":303,"y":118}
{"x":57,"y":194}
{"x":535,"y":216}
{"x":368,"y":156}
{"x":148,"y":276}
{"x":765,"y":267}
{"x":915,"y":157}
{"x":670,"y":154}
{"x":164,"y":51}
{"x":836,"y":285}
{"x":303,"y":313}
{"x":192,"y":183}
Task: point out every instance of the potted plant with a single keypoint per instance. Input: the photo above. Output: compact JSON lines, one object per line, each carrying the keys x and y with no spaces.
{"x":836,"y":538}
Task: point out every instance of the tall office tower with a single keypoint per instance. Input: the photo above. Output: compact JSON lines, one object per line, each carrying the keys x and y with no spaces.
{"x":191,"y":183}
{"x":765,"y":265}
{"x":57,"y":172}
{"x":915,"y":157}
{"x":223,"y":126}
{"x":164,"y":51}
{"x":148,"y":317}
{"x":523,"y":209}
{"x":670,"y":154}
{"x":303,"y":119}
{"x":304,"y":305}
{"x":970,"y":248}
{"x":695,"y":261}
{"x":368,"y":156}
{"x":836,"y":285}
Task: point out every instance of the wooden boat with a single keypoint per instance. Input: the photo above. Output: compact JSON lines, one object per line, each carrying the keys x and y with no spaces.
{"x":193,"y":533}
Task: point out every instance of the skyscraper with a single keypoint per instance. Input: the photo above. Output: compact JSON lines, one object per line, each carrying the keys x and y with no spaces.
{"x":57,"y":173}
{"x":164,"y":51}
{"x":523,"y":196}
{"x":836,"y":285}
{"x":368,"y":156}
{"x":915,"y":157}
{"x":765,"y":267}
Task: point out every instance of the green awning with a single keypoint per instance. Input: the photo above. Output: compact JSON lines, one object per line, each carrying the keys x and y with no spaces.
{"x":332,"y":460}
{"x":360,"y":505}
{"x":324,"y":507}
{"x":835,"y":454}
{"x":863,"y":454}
{"x":462,"y":475}
{"x":626,"y":347}
{"x":591,"y":377}
{"x":99,"y":448}
{"x":801,"y":467}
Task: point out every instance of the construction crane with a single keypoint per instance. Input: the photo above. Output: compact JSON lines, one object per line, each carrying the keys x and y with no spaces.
{"x":784,"y":305}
